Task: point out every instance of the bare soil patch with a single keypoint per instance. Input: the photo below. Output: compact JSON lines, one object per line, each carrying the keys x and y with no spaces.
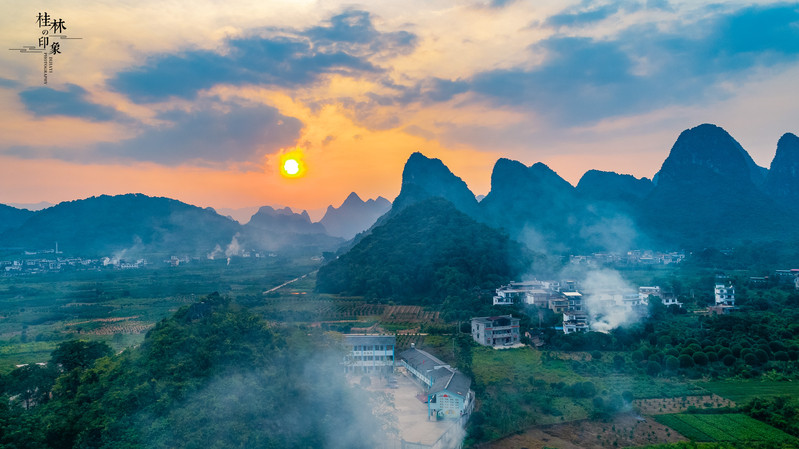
{"x":624,"y":430}
{"x":680,"y":404}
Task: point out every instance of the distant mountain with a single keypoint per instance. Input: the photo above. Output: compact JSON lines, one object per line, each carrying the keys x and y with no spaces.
{"x":11,"y":217}
{"x":708,"y":191}
{"x":32,"y":206}
{"x":429,"y":252}
{"x":424,"y":178}
{"x":353,"y":216}
{"x":133,"y":222}
{"x":284,"y":220}
{"x":533,"y":204}
{"x":284,"y":230}
{"x":782,"y":181}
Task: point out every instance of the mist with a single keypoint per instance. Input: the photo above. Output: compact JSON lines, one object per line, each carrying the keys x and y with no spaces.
{"x":603,"y":300}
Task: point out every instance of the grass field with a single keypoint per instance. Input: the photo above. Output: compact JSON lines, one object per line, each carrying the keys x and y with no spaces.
{"x":39,"y":311}
{"x":742,"y":391}
{"x":731,"y":427}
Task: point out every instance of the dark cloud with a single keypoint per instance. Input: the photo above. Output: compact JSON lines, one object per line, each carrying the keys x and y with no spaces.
{"x":583,"y":80}
{"x":286,"y":58}
{"x":352,"y":32}
{"x":5,"y":82}
{"x":584,"y":17}
{"x":44,"y":101}
{"x":216,"y":133}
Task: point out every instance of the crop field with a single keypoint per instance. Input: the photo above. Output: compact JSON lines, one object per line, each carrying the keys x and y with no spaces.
{"x":644,"y":387}
{"x":39,"y":311}
{"x":742,"y":391}
{"x":660,"y":406}
{"x":732,"y":427}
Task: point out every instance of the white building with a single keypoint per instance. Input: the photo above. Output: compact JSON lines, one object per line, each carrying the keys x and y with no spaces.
{"x":645,"y":292}
{"x":725,"y":295}
{"x":495,"y":330}
{"x":370,"y":353}
{"x":575,"y":322}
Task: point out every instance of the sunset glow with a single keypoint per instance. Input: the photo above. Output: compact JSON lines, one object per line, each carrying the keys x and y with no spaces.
{"x":206,"y":99}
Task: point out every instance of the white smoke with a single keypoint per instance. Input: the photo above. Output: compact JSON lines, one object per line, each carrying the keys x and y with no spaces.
{"x":118,"y":256}
{"x":215,"y":253}
{"x":603,"y":299}
{"x":233,"y":248}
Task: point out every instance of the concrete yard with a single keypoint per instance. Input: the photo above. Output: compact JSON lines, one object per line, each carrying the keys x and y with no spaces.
{"x":411,"y":413}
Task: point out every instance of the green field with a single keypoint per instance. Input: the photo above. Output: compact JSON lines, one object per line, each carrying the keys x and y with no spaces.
{"x":742,"y":391}
{"x":39,"y":311}
{"x":733,"y":427}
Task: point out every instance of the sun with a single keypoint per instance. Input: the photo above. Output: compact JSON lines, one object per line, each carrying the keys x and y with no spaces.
{"x":292,"y":164}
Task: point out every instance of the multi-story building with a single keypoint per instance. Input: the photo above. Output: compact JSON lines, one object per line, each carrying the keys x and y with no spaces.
{"x":496,"y":330}
{"x":575,"y":322}
{"x":725,"y":295}
{"x":370,"y":353}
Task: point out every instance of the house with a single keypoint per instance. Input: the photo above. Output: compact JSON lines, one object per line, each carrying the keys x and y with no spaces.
{"x":515,"y":292}
{"x":575,"y":322}
{"x":725,"y":294}
{"x":496,"y":330}
{"x":575,"y":300}
{"x":369,"y":353}
{"x":449,"y":394}
{"x":645,"y":292}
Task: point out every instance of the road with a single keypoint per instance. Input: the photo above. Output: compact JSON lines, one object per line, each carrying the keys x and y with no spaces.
{"x":288,"y":282}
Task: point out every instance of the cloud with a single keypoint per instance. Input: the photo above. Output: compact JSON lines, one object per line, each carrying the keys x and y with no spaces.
{"x":284,"y":58}
{"x":584,"y":79}
{"x":5,"y":82}
{"x":352,"y":32}
{"x":582,"y":17}
{"x":45,"y":101}
{"x":217,"y":132}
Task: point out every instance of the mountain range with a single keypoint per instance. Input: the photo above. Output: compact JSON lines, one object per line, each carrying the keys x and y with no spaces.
{"x":708,"y":192}
{"x":137,"y":225}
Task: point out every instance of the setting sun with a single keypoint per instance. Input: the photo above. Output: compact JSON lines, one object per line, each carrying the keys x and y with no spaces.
{"x":291,"y":164}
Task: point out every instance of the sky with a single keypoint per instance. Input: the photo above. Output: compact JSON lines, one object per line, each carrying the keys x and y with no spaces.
{"x":202,"y":100}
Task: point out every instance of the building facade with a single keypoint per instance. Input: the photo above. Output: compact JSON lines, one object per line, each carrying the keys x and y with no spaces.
{"x":725,"y":295}
{"x":369,"y":353}
{"x":496,"y":330}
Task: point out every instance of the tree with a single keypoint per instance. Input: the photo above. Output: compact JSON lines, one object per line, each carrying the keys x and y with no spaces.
{"x":672,"y":363}
{"x":700,"y":358}
{"x":79,"y":354}
{"x":653,"y":368}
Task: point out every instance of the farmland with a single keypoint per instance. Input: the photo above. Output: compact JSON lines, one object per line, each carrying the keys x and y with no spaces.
{"x":742,"y":391}
{"x":732,"y":427}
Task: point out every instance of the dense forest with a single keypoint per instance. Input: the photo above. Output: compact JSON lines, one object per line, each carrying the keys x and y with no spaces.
{"x":429,"y":253}
{"x":211,"y":376}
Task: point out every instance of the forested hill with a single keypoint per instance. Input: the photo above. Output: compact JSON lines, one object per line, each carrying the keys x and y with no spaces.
{"x":213,"y":375}
{"x":134,"y":222}
{"x":429,"y":252}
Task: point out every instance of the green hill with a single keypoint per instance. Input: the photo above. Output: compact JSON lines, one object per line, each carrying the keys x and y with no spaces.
{"x":428,"y":253}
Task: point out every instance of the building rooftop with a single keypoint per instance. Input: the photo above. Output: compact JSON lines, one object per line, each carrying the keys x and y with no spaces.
{"x":422,"y":361}
{"x":504,"y":320}
{"x":456,"y":382}
{"x":366,"y":340}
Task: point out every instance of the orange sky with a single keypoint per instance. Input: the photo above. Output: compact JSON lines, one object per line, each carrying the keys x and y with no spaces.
{"x":196,"y":101}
